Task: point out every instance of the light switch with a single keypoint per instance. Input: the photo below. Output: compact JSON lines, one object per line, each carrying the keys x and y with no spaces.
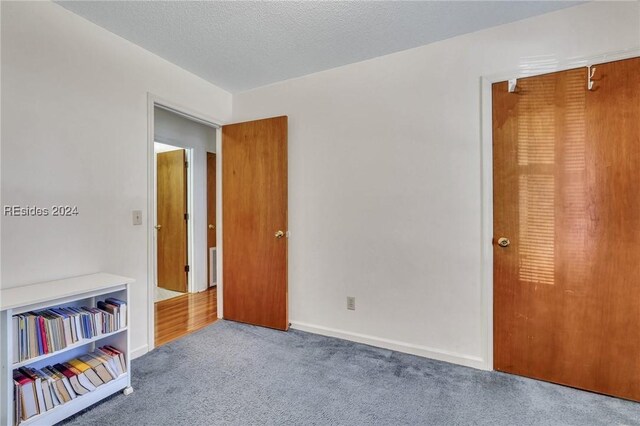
{"x":137,"y":217}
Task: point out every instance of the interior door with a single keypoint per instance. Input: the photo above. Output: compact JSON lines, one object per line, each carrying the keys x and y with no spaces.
{"x":211,"y":207}
{"x":172,"y":220}
{"x":567,"y":228}
{"x":254,"y":221}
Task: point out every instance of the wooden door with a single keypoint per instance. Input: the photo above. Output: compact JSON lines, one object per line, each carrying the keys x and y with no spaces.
{"x":211,"y":207}
{"x":254,"y":221}
{"x":172,"y":223}
{"x":567,"y":196}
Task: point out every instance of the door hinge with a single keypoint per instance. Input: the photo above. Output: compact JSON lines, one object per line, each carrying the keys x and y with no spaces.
{"x":186,"y":268}
{"x":186,"y":164}
{"x":186,"y":216}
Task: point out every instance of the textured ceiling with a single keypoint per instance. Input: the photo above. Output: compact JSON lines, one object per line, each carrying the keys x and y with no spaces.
{"x":242,"y":45}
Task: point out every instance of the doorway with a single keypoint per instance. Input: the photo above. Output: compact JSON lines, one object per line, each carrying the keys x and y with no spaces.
{"x":254,"y":289}
{"x":183,"y":300}
{"x":565,"y":218}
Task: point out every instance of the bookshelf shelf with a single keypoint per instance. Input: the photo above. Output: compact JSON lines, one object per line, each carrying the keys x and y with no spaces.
{"x":67,"y":349}
{"x":84,"y":290}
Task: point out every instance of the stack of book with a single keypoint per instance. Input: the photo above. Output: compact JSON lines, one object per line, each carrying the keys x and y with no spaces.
{"x":44,"y":332}
{"x":39,"y":390}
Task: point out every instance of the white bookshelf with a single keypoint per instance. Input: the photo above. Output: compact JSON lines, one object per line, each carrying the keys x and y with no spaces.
{"x":84,"y":290}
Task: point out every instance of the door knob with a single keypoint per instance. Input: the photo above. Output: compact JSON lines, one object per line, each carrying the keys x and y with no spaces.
{"x":279,"y":234}
{"x":503,"y":242}
{"x":211,"y":227}
{"x":158,"y":227}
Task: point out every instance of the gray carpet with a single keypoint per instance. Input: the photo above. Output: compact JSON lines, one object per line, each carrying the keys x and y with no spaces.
{"x":230,"y":373}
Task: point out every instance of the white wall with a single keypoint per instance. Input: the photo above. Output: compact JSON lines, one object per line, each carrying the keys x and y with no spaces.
{"x":74,"y":131}
{"x":173,"y":129}
{"x":384,"y":179}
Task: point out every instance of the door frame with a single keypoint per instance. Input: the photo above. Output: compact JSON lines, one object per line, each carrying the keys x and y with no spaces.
{"x":152,"y":102}
{"x":527,"y":69}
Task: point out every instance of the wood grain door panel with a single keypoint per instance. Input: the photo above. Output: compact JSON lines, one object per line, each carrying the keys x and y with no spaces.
{"x":254,"y":208}
{"x":566,"y":193}
{"x":172,"y":231}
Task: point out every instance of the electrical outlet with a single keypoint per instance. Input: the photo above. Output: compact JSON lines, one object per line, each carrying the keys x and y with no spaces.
{"x":351,"y":303}
{"x":137,"y":217}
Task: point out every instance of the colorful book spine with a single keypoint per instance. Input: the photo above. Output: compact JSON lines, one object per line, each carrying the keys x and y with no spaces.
{"x":50,"y":330}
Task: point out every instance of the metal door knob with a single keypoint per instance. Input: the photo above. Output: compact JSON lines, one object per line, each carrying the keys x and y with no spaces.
{"x":211,"y":227}
{"x":279,"y":234}
{"x":503,"y":242}
{"x":158,"y":227}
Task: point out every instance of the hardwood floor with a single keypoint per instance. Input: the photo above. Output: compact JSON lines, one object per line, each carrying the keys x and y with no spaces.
{"x":184,"y":314}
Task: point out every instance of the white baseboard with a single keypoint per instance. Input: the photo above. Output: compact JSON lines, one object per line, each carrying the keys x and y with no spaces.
{"x":138,"y":352}
{"x":394,"y":345}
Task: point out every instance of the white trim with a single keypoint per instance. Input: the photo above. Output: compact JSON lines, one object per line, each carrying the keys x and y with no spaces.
{"x":138,"y":352}
{"x":153,"y":101}
{"x":183,"y":112}
{"x":151,"y":220}
{"x":486,"y":141}
{"x":219,"y":278}
{"x":191,"y":244}
{"x":394,"y":345}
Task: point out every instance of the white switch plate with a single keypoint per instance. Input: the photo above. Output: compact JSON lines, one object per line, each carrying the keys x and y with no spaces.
{"x":351,"y":303}
{"x":137,"y":217}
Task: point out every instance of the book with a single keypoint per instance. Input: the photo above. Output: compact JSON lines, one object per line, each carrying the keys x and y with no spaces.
{"x":21,"y":338}
{"x":46,"y":389}
{"x":36,"y":321}
{"x":82,"y":378}
{"x":16,"y":338}
{"x":106,"y":362}
{"x":78,"y":389}
{"x":63,"y":384}
{"x":113,"y":310}
{"x":17,"y":404}
{"x":37,"y":381}
{"x":120,"y":354}
{"x":98,"y":367}
{"x":26,"y":390}
{"x":56,"y":395}
{"x":114,"y":360}
{"x":43,"y":335}
{"x":122,"y":309}
{"x":87,"y":371}
{"x":32,"y":335}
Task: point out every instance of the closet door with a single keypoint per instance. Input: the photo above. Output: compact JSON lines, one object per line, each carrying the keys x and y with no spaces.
{"x":567,"y":228}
